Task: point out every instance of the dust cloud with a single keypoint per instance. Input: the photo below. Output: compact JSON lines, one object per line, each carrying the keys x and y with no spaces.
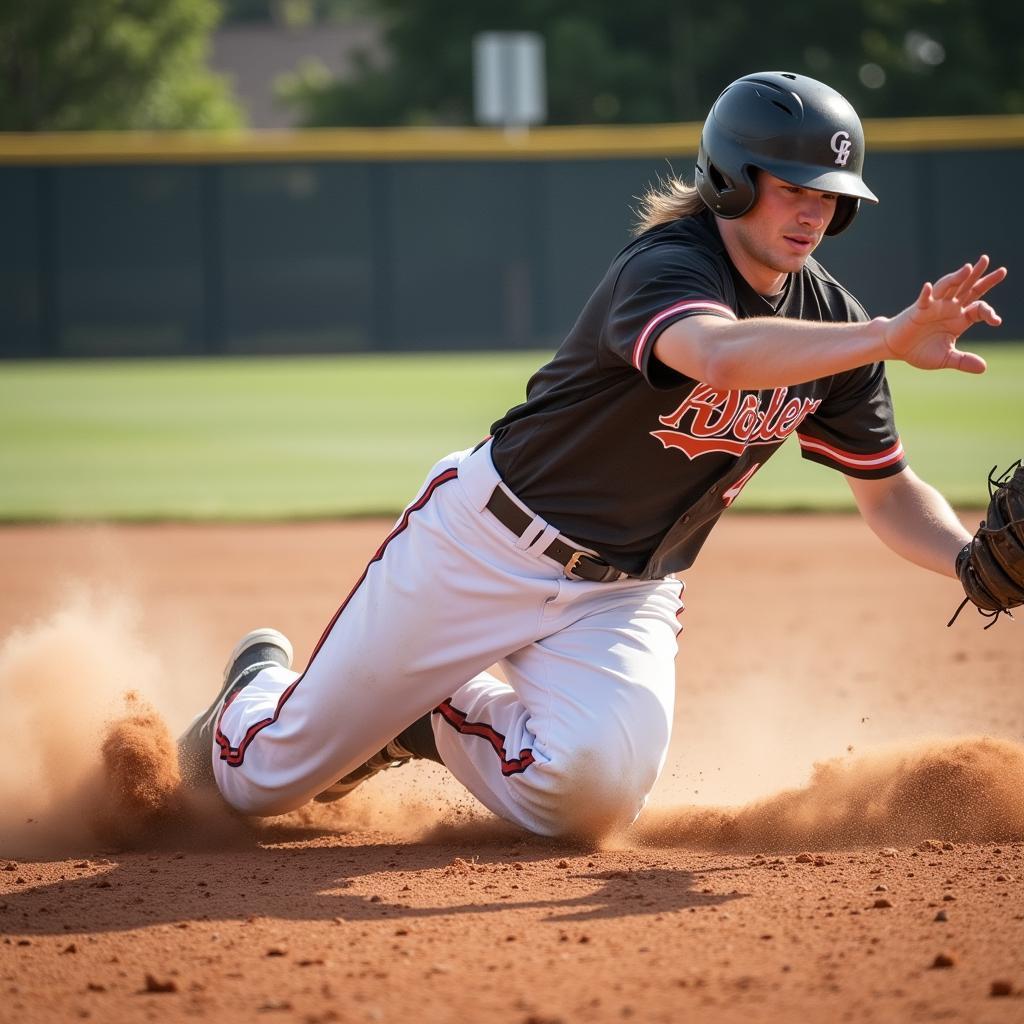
{"x":88,"y":760}
{"x":61,"y":681}
{"x":968,"y":789}
{"x":416,"y":803}
{"x":965,"y":790}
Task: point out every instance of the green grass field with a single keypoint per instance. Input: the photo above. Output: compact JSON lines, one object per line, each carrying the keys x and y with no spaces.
{"x":294,"y":437}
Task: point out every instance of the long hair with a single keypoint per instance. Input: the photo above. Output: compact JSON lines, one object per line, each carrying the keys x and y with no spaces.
{"x":668,"y":199}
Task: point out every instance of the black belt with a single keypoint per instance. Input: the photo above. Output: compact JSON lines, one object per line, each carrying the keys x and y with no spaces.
{"x":578,"y":565}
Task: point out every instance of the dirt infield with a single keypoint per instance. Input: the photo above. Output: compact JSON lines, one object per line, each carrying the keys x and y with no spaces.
{"x":885,"y":884}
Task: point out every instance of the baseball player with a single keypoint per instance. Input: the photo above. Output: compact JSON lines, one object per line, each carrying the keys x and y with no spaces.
{"x":552,"y":548}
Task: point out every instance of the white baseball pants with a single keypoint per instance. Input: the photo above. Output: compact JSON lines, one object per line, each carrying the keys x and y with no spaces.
{"x":570,"y":745}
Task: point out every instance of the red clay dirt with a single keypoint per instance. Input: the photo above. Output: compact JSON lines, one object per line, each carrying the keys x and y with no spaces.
{"x":885,"y":884}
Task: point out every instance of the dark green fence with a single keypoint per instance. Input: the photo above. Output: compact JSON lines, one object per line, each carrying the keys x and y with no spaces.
{"x":115,"y":252}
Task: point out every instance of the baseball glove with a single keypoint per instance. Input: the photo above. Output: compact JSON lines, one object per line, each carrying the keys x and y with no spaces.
{"x":991,"y":566}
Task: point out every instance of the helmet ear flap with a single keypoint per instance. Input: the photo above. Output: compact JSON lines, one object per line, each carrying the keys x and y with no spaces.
{"x":846,"y":210}
{"x":724,"y":196}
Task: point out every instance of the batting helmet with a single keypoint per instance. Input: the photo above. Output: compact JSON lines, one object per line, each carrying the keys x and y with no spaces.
{"x":794,"y":127}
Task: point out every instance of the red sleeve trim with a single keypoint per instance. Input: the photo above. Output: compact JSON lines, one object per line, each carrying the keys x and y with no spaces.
{"x":879,"y":460}
{"x":689,"y":306}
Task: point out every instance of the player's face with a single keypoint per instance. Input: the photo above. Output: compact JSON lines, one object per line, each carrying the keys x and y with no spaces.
{"x":775,"y":238}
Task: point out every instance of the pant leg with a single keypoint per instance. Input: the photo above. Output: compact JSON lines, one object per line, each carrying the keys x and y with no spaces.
{"x":576,"y":739}
{"x":445,"y":596}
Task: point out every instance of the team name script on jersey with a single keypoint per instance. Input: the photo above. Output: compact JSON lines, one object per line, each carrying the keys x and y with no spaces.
{"x":729,"y":421}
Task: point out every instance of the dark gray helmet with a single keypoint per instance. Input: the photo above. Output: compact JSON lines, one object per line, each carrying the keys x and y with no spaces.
{"x":794,"y":127}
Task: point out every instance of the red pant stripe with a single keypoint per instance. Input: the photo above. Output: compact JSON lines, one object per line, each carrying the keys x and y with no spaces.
{"x":235,"y":755}
{"x":457,"y":720}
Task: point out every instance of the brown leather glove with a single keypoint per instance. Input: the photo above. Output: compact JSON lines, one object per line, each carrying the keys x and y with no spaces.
{"x":991,"y":566}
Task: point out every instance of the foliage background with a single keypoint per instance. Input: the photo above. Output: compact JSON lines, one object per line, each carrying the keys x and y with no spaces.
{"x":110,"y":64}
{"x":141,"y":64}
{"x":653,"y":61}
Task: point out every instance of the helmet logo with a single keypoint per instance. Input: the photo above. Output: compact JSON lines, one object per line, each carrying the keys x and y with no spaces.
{"x":841,"y":147}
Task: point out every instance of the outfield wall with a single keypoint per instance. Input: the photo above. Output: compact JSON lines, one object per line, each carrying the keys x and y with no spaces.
{"x":362,"y":240}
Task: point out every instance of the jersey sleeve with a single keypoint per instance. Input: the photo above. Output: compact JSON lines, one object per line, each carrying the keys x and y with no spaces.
{"x":853,"y":430}
{"x":655,"y":288}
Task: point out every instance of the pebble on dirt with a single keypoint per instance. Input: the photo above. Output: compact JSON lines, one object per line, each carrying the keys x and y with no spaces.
{"x":155,"y":985}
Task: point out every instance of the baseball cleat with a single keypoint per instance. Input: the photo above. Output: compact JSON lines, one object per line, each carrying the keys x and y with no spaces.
{"x":392,"y":756}
{"x":257,"y":650}
{"x":412,"y":744}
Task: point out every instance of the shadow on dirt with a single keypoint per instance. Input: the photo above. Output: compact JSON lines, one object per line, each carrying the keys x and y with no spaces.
{"x":330,"y":878}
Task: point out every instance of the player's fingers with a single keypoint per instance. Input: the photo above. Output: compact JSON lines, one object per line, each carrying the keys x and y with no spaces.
{"x":948,"y":285}
{"x":965,"y":362}
{"x":977,"y":269}
{"x":988,"y":282}
{"x":925,"y":297}
{"x":981,"y":312}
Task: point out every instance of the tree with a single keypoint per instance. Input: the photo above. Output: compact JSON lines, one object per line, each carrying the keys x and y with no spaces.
{"x":666,"y":60}
{"x":292,"y":13}
{"x":109,"y":64}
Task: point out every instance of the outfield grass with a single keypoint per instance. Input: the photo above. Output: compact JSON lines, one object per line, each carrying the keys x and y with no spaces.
{"x":954,"y":428}
{"x":353,"y":435}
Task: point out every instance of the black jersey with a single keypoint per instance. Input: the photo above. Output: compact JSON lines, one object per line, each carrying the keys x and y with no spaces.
{"x":637,"y":461}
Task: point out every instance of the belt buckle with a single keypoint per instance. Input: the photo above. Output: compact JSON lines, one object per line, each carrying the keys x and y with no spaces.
{"x":574,"y":560}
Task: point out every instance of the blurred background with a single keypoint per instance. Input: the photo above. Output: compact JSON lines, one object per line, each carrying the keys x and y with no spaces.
{"x":197,"y":178}
{"x":446,"y":239}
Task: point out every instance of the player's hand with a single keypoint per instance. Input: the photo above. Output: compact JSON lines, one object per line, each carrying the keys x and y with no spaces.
{"x":925,"y":334}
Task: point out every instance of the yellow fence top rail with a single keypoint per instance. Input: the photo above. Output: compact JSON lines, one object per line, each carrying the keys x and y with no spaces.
{"x":576,"y":142}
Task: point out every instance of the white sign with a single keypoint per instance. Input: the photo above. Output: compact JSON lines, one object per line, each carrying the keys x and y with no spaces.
{"x":509,"y":84}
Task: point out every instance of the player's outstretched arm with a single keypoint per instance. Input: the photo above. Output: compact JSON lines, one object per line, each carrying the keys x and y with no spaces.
{"x":912,"y":518}
{"x":925,"y":334}
{"x":765,"y":352}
